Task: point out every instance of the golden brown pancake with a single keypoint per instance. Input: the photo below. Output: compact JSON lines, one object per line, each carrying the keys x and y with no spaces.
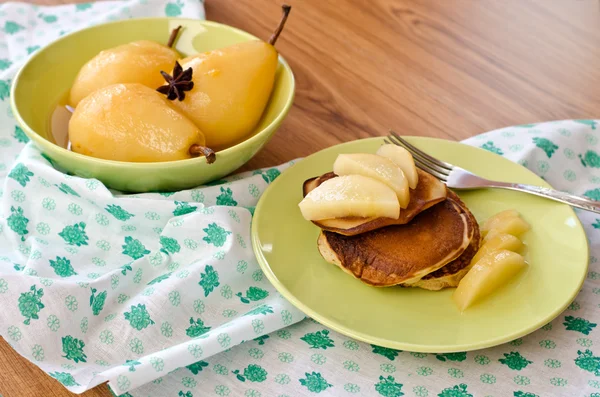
{"x":429,"y":191}
{"x":451,"y":274}
{"x":402,"y":253}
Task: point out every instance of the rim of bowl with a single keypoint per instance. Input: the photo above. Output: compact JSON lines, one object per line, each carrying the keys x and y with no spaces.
{"x":256,"y":137}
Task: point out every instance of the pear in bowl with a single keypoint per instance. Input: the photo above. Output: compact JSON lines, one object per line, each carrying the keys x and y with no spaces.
{"x":50,"y":76}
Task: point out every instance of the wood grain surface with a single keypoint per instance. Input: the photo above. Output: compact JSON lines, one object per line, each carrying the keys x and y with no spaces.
{"x":442,"y":68}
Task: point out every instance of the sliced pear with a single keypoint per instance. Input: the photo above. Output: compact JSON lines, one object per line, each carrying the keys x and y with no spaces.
{"x":500,"y":241}
{"x":403,"y":159}
{"x":490,"y":273}
{"x":491,"y":221}
{"x":375,"y":167}
{"x":350,"y":195}
{"x":515,"y":226}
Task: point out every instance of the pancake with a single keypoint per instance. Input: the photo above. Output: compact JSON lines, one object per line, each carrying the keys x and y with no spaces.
{"x":451,"y":274}
{"x":429,"y":191}
{"x":400,"y":254}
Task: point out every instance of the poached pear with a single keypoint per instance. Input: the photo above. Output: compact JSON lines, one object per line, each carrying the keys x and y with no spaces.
{"x":135,"y":62}
{"x":131,"y":122}
{"x":232,"y":88}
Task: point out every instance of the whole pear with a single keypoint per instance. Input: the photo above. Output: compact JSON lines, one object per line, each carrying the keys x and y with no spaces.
{"x":135,"y":62}
{"x":232,"y":88}
{"x":134,"y":123}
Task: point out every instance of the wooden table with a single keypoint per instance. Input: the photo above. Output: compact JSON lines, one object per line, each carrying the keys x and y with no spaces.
{"x":442,"y":68}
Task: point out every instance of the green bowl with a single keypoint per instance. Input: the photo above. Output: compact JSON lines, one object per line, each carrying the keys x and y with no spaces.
{"x":47,"y":76}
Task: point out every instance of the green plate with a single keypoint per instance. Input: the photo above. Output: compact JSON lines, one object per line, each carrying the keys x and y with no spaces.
{"x":414,"y":319}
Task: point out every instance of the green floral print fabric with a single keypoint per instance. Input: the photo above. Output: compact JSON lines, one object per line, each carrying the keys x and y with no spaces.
{"x":160,"y":294}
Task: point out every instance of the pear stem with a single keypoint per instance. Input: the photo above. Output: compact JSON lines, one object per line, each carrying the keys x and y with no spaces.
{"x":198,"y":150}
{"x":286,"y":11}
{"x":173,"y":36}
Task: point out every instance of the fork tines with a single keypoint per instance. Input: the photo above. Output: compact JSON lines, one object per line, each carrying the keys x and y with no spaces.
{"x":424,"y":161}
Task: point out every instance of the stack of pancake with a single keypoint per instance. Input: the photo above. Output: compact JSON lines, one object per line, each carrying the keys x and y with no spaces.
{"x":429,"y":246}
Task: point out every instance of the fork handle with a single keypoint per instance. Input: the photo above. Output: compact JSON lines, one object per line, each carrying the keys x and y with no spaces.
{"x":556,"y":195}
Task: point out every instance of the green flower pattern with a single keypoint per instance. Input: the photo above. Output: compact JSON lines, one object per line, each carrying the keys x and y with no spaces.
{"x":588,"y":362}
{"x":460,"y":356}
{"x":183,"y":208}
{"x":173,"y":8}
{"x":514,"y":360}
{"x":388,"y":353}
{"x":73,"y":349}
{"x":524,"y":394}
{"x":489,"y":146}
{"x":62,"y":267}
{"x":138,"y":317}
{"x":197,"y":367}
{"x":11,"y":27}
{"x":456,"y":391}
{"x":134,"y":248}
{"x":215,"y":235}
{"x":118,"y":212}
{"x":169,"y":245}
{"x":63,"y":187}
{"x":388,"y":387}
{"x":18,"y":134}
{"x":65,"y":378}
{"x":252,"y":373}
{"x":209,"y":280}
{"x":160,"y":278}
{"x":268,"y":175}
{"x":75,"y":234}
{"x":196,"y":328}
{"x":318,"y":340}
{"x":17,"y":222}
{"x":127,"y":259}
{"x":262,"y":309}
{"x":546,"y":145}
{"x":97,"y":301}
{"x":5,"y":64}
{"x":226,"y":197}
{"x":131,"y":364}
{"x":579,"y":324}
{"x":253,"y":294}
{"x":315,"y":382}
{"x":590,"y":159}
{"x":591,"y":123}
{"x":21,"y":174}
{"x":30,"y":304}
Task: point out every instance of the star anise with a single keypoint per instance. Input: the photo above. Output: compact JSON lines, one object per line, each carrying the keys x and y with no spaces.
{"x":177,"y":84}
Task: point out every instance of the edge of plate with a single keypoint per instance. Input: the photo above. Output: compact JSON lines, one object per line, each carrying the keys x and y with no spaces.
{"x":264,"y":265}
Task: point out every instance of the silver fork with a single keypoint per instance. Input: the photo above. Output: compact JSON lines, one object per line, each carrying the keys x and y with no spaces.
{"x":458,"y":178}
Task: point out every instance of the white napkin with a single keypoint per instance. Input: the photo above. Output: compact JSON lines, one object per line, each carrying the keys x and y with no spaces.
{"x":125,"y":288}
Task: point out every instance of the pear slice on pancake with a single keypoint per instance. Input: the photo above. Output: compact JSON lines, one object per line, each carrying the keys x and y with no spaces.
{"x":429,"y":191}
{"x":403,"y":254}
